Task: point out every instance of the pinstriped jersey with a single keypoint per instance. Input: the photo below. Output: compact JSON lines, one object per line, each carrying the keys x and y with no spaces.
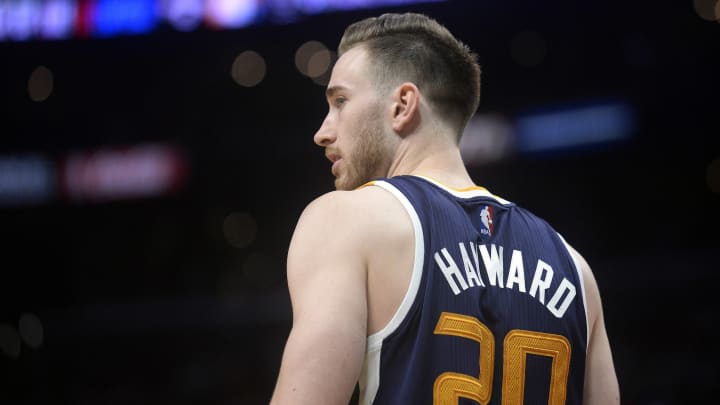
{"x":494,"y":313}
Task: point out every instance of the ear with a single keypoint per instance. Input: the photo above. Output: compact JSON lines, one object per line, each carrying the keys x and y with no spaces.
{"x":406,"y":108}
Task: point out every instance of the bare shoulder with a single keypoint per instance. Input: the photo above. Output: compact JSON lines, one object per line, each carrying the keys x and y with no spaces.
{"x":367,"y":197}
{"x":366,"y":212}
{"x":349,"y":230}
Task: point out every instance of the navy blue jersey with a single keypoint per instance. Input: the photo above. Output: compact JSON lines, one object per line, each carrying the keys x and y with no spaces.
{"x":494,"y":313}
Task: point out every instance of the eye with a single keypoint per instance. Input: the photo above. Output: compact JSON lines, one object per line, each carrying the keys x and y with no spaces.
{"x":339,"y":101}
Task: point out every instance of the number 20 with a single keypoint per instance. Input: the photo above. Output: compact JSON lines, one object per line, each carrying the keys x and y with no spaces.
{"x":450,"y":387}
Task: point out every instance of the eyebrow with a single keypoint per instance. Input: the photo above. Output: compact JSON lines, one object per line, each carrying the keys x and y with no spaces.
{"x":331,"y":91}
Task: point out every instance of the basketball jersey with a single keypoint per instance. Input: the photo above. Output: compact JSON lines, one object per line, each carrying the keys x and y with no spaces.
{"x":494,"y":312}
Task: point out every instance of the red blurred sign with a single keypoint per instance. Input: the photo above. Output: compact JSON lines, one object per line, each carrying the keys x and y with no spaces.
{"x":121,"y":173}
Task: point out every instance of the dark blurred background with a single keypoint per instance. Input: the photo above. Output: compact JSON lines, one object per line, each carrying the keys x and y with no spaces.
{"x":150,"y":182}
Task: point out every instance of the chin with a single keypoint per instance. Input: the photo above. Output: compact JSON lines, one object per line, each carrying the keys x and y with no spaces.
{"x":345,"y":184}
{"x":339,"y":185}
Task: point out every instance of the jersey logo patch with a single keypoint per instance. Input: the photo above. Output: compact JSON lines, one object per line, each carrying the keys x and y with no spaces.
{"x":486,"y":221}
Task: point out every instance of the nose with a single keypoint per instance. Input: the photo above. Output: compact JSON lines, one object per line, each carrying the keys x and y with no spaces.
{"x":325,"y":135}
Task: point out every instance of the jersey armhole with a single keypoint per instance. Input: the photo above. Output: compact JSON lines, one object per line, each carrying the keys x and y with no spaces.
{"x":370,"y":375}
{"x":376,"y":338}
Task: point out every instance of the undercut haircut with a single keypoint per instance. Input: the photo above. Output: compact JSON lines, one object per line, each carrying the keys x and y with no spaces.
{"x":415,"y":48}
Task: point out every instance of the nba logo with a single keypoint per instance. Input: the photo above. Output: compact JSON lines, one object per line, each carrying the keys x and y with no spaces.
{"x":486,"y":221}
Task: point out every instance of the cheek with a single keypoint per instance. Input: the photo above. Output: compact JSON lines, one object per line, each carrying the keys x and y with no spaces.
{"x":348,"y":132}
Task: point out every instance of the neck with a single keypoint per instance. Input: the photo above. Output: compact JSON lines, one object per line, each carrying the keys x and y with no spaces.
{"x":438,"y":159}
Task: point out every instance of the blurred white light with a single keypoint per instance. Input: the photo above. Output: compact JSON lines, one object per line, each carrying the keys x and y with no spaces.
{"x":239,"y":229}
{"x":248,"y":69}
{"x":9,"y":341}
{"x":184,"y":15}
{"x":31,"y":330}
{"x":231,"y":13}
{"x":40,"y":84}
{"x":486,"y":139}
{"x":58,"y":19}
{"x":3,"y":12}
{"x":528,"y":48}
{"x":708,"y":9}
{"x":20,"y":18}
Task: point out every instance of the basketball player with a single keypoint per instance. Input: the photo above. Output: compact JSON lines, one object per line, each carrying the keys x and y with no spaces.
{"x":412,"y":280}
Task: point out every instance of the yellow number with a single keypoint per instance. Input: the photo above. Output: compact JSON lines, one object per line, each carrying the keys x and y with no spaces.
{"x":520,"y":343}
{"x":450,"y":387}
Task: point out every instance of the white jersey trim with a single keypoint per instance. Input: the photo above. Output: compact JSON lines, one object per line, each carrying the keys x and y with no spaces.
{"x":582,"y":290}
{"x":473,"y":192}
{"x":370,"y":376}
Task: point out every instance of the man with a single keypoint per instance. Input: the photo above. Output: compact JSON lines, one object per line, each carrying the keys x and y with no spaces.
{"x":411,"y":279}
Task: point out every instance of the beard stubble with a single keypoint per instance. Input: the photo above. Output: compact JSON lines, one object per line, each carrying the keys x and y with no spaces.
{"x":370,"y":158}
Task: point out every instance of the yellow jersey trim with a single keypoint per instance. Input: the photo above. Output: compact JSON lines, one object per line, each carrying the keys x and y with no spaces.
{"x":471,"y":188}
{"x":369,"y":183}
{"x":460,"y":192}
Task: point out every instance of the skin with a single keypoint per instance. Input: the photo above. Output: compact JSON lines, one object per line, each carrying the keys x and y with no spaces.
{"x":362,"y":157}
{"x":345,"y":286}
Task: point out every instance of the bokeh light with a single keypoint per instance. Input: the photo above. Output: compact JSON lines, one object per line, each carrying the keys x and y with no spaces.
{"x":184,"y":15}
{"x":248,"y":69}
{"x":324,"y":78}
{"x":231,"y":13}
{"x":40,"y":84}
{"x":708,"y":9}
{"x":319,"y":63}
{"x":305,"y":53}
{"x":314,"y":60}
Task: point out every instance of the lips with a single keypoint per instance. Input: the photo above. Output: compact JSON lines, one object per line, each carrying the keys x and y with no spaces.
{"x":335,"y":166}
{"x":335,"y":159}
{"x":332,"y":157}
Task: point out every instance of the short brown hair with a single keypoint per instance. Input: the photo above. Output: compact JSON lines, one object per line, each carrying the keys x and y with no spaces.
{"x":413,"y":47}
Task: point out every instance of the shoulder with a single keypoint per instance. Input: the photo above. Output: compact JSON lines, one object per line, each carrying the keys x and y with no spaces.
{"x":359,"y":217}
{"x":363,"y":208}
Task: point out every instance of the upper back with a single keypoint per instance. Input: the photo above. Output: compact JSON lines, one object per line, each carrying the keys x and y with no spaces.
{"x":494,"y":305}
